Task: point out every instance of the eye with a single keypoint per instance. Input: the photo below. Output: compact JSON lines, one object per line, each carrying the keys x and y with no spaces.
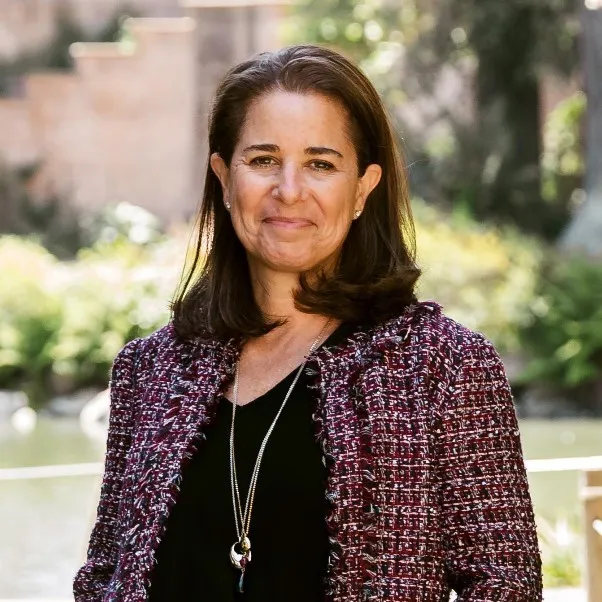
{"x":263,"y":161}
{"x":321,"y":165}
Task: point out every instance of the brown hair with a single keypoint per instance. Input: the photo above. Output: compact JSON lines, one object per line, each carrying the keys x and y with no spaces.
{"x":376,"y":273}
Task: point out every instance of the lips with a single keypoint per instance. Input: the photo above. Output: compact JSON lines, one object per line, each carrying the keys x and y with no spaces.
{"x":288,"y":222}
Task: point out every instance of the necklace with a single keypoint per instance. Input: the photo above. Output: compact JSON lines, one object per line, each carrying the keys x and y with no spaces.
{"x":240,"y":552}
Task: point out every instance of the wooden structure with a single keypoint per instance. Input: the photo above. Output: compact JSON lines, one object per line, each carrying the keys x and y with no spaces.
{"x":591,"y":495}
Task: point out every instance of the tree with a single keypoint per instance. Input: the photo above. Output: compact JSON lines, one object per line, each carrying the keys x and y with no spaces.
{"x":502,"y":36}
{"x":585,"y":230}
{"x":493,"y":166}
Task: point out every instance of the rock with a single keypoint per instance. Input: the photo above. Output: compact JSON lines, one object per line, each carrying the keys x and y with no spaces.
{"x":24,"y":420}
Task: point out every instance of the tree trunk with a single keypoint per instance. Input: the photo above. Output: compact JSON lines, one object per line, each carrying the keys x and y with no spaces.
{"x":584,"y":232}
{"x":508,"y":98}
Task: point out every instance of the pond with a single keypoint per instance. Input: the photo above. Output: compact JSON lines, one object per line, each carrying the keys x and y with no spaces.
{"x":45,"y":523}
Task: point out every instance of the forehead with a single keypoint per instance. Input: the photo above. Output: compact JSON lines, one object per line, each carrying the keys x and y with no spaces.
{"x":303,"y":119}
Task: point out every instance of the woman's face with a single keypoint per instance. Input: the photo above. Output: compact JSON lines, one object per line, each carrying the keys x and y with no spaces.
{"x":293,"y":185}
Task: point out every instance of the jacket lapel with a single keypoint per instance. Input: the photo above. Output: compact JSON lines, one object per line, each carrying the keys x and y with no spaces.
{"x":345,"y":439}
{"x":197,"y":374}
{"x":347,"y":417}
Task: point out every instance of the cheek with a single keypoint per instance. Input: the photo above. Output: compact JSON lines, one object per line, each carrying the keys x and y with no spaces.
{"x":337,"y":203}
{"x":246,"y":199}
{"x":247,"y":194}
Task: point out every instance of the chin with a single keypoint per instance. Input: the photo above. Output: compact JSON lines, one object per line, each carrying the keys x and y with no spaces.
{"x":291,"y":267}
{"x":290,"y":264}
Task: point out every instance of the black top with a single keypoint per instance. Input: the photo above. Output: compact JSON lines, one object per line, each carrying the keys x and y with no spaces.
{"x":289,"y":541}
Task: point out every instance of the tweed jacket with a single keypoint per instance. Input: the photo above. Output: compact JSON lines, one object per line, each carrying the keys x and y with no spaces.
{"x":427,"y":490}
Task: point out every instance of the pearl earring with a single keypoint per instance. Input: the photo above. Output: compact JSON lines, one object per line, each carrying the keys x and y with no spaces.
{"x":357,"y":214}
{"x":227,"y":206}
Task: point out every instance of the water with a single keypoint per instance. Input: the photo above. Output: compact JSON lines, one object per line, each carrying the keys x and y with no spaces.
{"x":555,"y":494}
{"x":44,"y":524}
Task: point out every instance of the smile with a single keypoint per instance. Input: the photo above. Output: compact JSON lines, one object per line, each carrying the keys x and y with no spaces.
{"x":288,"y":223}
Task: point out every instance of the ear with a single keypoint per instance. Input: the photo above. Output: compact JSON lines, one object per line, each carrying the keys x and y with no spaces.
{"x":220,"y":169}
{"x":367,"y":183}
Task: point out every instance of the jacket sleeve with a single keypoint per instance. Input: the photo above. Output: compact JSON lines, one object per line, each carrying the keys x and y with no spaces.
{"x":92,"y":579}
{"x":490,"y":538}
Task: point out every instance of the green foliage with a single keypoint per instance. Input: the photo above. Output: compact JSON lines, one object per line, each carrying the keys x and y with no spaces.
{"x":14,"y":195}
{"x":484,"y":277}
{"x":105,"y":304}
{"x":62,"y":323}
{"x":30,"y":312}
{"x":413,"y":51}
{"x":59,"y":227}
{"x":561,"y":568}
{"x":355,"y":27}
{"x":562,"y":548}
{"x":562,"y":162}
{"x":564,"y":333}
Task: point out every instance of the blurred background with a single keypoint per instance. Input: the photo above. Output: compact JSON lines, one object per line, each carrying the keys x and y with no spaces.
{"x":103,"y":108}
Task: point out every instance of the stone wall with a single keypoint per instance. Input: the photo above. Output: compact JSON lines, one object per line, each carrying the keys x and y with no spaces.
{"x":27,"y":25}
{"x":120,"y":128}
{"x":17,"y":142}
{"x":91,"y":14}
{"x":129,"y":124}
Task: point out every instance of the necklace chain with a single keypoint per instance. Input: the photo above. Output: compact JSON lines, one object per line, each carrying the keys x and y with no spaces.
{"x":243,"y":519}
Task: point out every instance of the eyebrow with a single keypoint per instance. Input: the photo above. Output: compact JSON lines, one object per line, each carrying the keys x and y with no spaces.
{"x":310,"y":150}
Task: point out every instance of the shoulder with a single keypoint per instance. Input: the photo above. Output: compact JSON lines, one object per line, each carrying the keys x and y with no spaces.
{"x":424,"y":325}
{"x":157,"y":341}
{"x":141,"y":353}
{"x":423,"y":338}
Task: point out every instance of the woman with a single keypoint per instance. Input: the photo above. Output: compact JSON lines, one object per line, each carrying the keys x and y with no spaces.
{"x":304,"y":429}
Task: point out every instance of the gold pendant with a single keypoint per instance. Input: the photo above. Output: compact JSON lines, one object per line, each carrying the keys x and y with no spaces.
{"x":241,"y":559}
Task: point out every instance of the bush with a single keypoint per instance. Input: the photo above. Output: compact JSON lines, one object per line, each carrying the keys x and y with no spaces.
{"x":107,"y":301}
{"x":564,"y":333}
{"x":562,"y":548}
{"x":484,"y":277}
{"x":51,"y":222}
{"x":62,"y":323}
{"x":30,"y":313}
{"x":563,"y":163}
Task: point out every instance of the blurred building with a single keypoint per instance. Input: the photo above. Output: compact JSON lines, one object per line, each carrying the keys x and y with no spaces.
{"x":27,"y":25}
{"x":129,"y":122}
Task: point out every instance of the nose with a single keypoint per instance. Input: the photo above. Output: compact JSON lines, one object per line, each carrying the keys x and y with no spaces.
{"x":289,"y":187}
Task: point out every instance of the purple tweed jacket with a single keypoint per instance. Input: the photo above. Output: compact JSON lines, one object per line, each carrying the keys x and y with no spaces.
{"x":427,"y":489}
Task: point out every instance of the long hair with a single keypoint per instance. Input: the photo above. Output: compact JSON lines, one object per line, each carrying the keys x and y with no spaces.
{"x":376,"y":273}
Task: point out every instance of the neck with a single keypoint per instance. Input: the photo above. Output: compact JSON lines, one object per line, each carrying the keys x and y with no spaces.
{"x":274,"y":293}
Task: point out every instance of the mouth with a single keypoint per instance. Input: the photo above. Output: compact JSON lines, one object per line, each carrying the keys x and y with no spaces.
{"x":288,"y":223}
